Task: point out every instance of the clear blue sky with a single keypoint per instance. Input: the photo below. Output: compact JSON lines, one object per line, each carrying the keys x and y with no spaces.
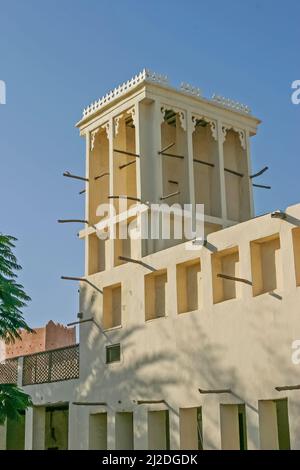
{"x":58,"y":56}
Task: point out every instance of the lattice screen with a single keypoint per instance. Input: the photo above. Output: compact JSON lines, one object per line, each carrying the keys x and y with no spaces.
{"x":9,"y":371}
{"x":51,"y":366}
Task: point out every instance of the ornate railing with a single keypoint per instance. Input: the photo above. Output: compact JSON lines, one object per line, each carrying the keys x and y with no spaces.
{"x":145,"y":75}
{"x":51,"y":366}
{"x":9,"y":371}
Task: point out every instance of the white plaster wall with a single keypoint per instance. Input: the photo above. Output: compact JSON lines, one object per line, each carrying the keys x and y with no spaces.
{"x":243,"y":344}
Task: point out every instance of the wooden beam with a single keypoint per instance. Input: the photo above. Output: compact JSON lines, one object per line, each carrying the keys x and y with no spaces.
{"x":79,"y":321}
{"x":259,"y":172}
{"x":81,"y":279}
{"x":233,"y":278}
{"x":85,"y":321}
{"x":136,"y":261}
{"x":66,"y":221}
{"x":89,"y":403}
{"x":221,"y":390}
{"x":261,"y":186}
{"x":287,"y":387}
{"x":166,"y":148}
{"x":233,"y":172}
{"x":101,"y":176}
{"x":73,"y":278}
{"x":126,"y":164}
{"x":150,"y":402}
{"x":203,"y":162}
{"x":124,"y":152}
{"x":69,"y":175}
{"x":171,"y":155}
{"x":169,"y":195}
{"x":125,"y":197}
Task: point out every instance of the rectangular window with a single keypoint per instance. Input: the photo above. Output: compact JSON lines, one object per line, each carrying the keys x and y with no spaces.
{"x":158,"y":430}
{"x":124,"y":431}
{"x":113,"y":353}
{"x":187,"y":275}
{"x":236,"y":178}
{"x":98,"y":431}
{"x":274,"y":424}
{"x":112,"y":306}
{"x":174,"y":170}
{"x":124,"y":163}
{"x":123,"y":242}
{"x":266,"y":264}
{"x":225,"y":263}
{"x":96,"y":248}
{"x":56,"y":427}
{"x":190,"y":424}
{"x":233,"y":427}
{"x":155,"y":294}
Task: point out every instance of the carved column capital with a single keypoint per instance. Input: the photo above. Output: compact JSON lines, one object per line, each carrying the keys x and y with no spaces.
{"x":224,"y":130}
{"x":240,"y":132}
{"x":242,"y":137}
{"x":131,"y":111}
{"x":117,"y":123}
{"x":106,"y":128}
{"x":93,"y":137}
{"x":180,"y":112}
{"x":212,"y":123}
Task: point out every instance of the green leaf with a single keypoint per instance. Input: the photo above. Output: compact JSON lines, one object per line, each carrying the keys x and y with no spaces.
{"x":12,"y":299}
{"x":12,"y":401}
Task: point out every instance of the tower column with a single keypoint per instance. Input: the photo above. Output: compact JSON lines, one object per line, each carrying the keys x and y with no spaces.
{"x":109,"y":248}
{"x":247,"y":138}
{"x":221,"y":171}
{"x":190,"y":154}
{"x":87,"y":200}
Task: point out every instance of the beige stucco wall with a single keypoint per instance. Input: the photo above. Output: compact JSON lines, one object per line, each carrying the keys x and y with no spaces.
{"x":243,"y":344}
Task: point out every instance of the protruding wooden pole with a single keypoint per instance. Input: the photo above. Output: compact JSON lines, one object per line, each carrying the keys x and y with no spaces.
{"x":69,"y":175}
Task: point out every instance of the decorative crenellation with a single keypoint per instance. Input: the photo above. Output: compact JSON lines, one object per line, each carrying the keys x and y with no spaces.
{"x":231,"y":103}
{"x":145,"y":75}
{"x":192,"y":90}
{"x":180,"y":112}
{"x":211,"y":122}
{"x":240,"y":132}
{"x":152,"y":77}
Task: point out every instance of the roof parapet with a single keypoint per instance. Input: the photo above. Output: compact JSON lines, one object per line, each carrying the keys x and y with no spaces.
{"x":153,"y":77}
{"x":228,"y":103}
{"x":144,"y":75}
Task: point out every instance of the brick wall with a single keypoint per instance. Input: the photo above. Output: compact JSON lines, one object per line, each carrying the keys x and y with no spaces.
{"x":51,"y":336}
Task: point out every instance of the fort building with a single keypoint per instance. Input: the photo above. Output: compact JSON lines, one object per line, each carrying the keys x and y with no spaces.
{"x":51,"y":336}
